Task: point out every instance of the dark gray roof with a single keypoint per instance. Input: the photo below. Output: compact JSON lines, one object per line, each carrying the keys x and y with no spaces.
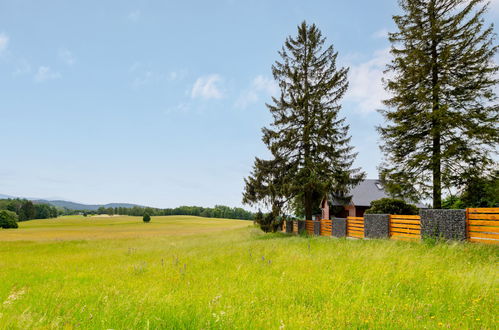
{"x":369,"y":190}
{"x":366,"y":192}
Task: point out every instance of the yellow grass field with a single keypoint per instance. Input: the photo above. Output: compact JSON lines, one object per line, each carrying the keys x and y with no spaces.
{"x":191,"y":272}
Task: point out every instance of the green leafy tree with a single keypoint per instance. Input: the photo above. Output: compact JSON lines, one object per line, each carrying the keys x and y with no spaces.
{"x":8,"y":219}
{"x":478,"y":192}
{"x":27,"y":211}
{"x":308,"y":139}
{"x":442,"y":119}
{"x":146,"y":218}
{"x":391,"y":206}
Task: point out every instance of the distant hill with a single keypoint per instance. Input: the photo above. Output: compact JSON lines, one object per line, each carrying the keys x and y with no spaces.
{"x":2,"y":196}
{"x":90,"y":207}
{"x":72,"y":205}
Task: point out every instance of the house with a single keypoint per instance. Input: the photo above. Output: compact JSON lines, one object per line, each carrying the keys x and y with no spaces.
{"x":362,"y":196}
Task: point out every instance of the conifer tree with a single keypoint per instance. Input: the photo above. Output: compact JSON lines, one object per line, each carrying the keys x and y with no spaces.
{"x":442,"y":114}
{"x":308,"y":139}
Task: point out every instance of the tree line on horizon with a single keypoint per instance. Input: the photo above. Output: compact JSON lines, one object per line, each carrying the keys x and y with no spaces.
{"x":27,"y":210}
{"x":219,"y":211}
{"x":441,"y":117}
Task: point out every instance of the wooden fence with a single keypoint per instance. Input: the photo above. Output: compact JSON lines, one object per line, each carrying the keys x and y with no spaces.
{"x":326,"y":227}
{"x":482,"y":225}
{"x":309,"y":227}
{"x":405,"y":227}
{"x":355,"y":227}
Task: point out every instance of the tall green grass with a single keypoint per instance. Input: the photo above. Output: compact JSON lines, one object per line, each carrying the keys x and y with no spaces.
{"x":226,"y":274}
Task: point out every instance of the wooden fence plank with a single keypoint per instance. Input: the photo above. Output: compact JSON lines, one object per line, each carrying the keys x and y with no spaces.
{"x":411,"y":231}
{"x":483,"y":223}
{"x":486,"y":241}
{"x":484,"y":210}
{"x":484,"y":229}
{"x":356,"y":222}
{"x":398,"y":225}
{"x":483,"y":235}
{"x":359,"y":231}
{"x":483,"y":216}
{"x":408,"y":217}
{"x":415,"y":222}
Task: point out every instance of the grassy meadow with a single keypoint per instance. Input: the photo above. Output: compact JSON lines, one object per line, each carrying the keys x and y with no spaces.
{"x":191,"y":272}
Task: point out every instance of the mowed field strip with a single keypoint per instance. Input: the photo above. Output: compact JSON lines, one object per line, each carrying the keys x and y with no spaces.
{"x":192,"y":272}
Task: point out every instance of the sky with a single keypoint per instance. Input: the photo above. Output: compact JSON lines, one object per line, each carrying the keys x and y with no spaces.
{"x":161,"y":103}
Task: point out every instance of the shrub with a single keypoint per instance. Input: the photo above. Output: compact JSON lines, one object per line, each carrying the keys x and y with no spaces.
{"x":267,"y":222}
{"x":146,"y":218}
{"x":8,"y":219}
{"x":391,"y":206}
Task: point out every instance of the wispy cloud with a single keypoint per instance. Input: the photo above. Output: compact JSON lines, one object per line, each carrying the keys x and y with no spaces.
{"x":494,"y":6}
{"x":134,"y":15}
{"x":144,"y":74}
{"x":366,"y":88}
{"x":67,"y":56}
{"x":208,"y":87}
{"x":45,"y":73}
{"x":380,"y":34}
{"x":22,"y":67}
{"x":260,"y":86}
{"x":4,"y":42}
{"x":180,"y":107}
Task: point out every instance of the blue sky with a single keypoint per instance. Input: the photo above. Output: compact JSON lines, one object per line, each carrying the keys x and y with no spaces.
{"x":161,"y":102}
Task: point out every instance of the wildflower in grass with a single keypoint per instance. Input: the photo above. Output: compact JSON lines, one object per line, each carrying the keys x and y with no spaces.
{"x":15,"y":295}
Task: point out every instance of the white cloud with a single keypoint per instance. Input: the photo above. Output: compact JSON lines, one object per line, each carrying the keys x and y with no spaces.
{"x":144,"y":74}
{"x":134,"y":16}
{"x":260,"y":86}
{"x":22,"y":67}
{"x":380,"y":34}
{"x":4,"y":42}
{"x":494,"y":6}
{"x":67,"y":56}
{"x":144,"y":78}
{"x":366,"y":88}
{"x":45,"y":73}
{"x":207,"y":87}
{"x":180,"y":107}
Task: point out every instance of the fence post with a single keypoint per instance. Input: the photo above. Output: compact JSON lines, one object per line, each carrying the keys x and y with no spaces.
{"x":317,"y":228}
{"x":339,"y":227}
{"x":447,"y":224}
{"x":301,"y":227}
{"x":376,"y":225}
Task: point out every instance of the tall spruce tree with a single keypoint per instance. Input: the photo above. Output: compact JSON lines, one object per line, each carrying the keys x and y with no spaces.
{"x":442,"y":117}
{"x":308,"y":139}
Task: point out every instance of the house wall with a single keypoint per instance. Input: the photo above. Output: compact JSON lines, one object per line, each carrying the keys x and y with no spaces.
{"x":350,"y":210}
{"x":325,"y":210}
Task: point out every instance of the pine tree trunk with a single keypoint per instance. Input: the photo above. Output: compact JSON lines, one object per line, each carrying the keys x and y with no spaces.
{"x":306,"y":137}
{"x":437,"y":174}
{"x":436,"y":128}
{"x":308,"y":205}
